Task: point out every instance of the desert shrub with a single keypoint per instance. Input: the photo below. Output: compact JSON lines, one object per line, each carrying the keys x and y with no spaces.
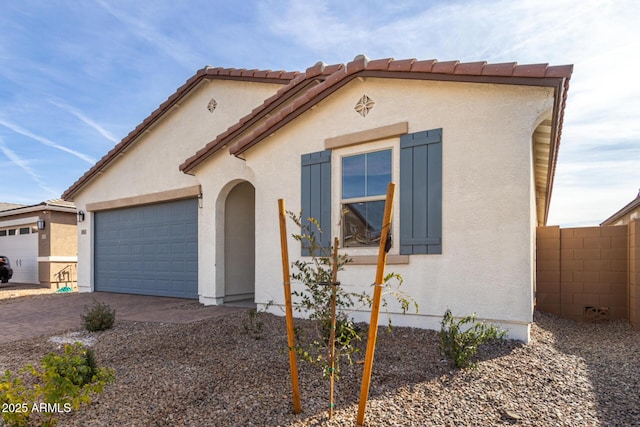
{"x":460,"y":339}
{"x":62,"y":383}
{"x":314,"y":302}
{"x":253,"y":324}
{"x":99,"y":317}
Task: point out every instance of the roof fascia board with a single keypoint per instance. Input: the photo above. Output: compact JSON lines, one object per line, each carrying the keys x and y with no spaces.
{"x":36,"y":208}
{"x":554,"y":82}
{"x":622,"y":212}
{"x":19,"y":221}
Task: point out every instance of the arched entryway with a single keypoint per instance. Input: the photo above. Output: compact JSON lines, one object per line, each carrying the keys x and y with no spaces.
{"x":239,"y":243}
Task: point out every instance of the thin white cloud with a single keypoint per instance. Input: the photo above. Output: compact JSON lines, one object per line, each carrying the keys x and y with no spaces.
{"x":45,"y":141}
{"x":86,"y":120}
{"x":24,"y":165}
{"x":180,"y":52}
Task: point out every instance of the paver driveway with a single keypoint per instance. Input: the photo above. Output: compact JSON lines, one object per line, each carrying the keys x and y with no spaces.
{"x":49,"y":314}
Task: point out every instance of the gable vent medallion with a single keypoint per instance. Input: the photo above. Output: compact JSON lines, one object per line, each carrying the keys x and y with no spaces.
{"x":364,"y":105}
{"x":211,"y":106}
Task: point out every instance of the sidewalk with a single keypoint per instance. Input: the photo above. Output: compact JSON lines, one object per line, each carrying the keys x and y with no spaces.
{"x":49,"y":314}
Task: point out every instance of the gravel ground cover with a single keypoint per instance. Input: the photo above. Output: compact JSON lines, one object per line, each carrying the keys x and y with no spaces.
{"x":212,"y":373}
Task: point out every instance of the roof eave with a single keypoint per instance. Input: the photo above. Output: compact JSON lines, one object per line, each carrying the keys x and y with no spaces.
{"x":206,"y":73}
{"x":556,"y":82}
{"x":635,"y":203}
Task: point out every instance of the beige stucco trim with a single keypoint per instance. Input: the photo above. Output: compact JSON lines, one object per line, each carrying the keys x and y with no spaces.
{"x":373,"y":259}
{"x":57,"y":259}
{"x":20,"y":221}
{"x":146,"y":199}
{"x":369,"y":135}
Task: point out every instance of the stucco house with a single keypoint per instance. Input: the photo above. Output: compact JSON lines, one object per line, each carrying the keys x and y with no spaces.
{"x":41,"y":242}
{"x":626,"y":214}
{"x":186,"y":204}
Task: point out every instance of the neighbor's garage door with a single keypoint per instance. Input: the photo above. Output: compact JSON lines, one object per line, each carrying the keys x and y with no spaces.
{"x":148,"y":250}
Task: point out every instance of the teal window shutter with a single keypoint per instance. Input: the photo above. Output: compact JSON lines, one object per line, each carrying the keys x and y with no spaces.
{"x":421,"y":193}
{"x":316,"y":196}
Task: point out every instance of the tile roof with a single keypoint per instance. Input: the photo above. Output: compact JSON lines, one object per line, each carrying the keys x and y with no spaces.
{"x":361,"y":66}
{"x":9,"y":209}
{"x":206,"y":73}
{"x":629,"y":207}
{"x":8,"y":206}
{"x":301,"y":91}
{"x":303,"y":81}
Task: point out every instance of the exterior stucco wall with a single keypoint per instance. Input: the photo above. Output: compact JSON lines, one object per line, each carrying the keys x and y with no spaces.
{"x":487,"y":264}
{"x":218,"y":176}
{"x":151,"y":164}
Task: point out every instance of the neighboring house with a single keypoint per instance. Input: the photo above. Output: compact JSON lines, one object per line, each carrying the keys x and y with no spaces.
{"x":41,"y":242}
{"x":625,"y":215}
{"x":471,"y":146}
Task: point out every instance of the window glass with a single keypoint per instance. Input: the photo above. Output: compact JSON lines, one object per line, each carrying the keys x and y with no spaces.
{"x":366,"y":175}
{"x":353,"y":176}
{"x":25,"y":230}
{"x":362,"y":223}
{"x":378,"y":172}
{"x":3,"y":232}
{"x":12,"y":232}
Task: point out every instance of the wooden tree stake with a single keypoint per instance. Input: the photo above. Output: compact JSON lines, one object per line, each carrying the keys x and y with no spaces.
{"x":375,"y":308}
{"x":332,"y":333}
{"x":286,"y":280}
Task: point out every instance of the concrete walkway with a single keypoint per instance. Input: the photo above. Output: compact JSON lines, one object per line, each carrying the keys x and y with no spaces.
{"x":50,"y":314}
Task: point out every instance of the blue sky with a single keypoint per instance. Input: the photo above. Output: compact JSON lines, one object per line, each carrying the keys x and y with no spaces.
{"x":78,"y":76}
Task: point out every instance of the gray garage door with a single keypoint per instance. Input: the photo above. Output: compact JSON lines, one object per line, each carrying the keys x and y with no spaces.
{"x":148,"y":250}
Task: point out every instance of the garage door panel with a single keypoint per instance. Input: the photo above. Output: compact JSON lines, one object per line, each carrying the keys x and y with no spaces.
{"x":140,"y":250}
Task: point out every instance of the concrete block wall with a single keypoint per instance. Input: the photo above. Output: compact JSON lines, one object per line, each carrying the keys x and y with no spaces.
{"x":589,"y":277}
{"x":593,"y":271}
{"x":548,"y":270}
{"x":634,"y":273}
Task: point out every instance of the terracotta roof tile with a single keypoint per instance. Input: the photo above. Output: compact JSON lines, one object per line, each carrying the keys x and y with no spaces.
{"x":304,"y":95}
{"x":275,"y":74}
{"x":563,"y":71}
{"x":470,"y":68}
{"x":261,"y":74}
{"x":379,"y":64}
{"x":288,"y":75}
{"x":422,"y":66}
{"x":316,"y":70}
{"x":533,"y":70}
{"x":447,"y":67}
{"x":359,"y":63}
{"x":402,"y":65}
{"x":504,"y":69}
{"x":330,"y":69}
{"x":336,"y":77}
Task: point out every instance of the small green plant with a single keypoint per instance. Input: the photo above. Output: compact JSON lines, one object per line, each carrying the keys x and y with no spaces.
{"x":460,"y":339}
{"x":314,"y":303}
{"x":99,"y":317}
{"x":253,"y":325}
{"x":63,"y":383}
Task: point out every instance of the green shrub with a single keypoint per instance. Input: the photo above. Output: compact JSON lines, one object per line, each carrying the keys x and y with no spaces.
{"x":63,"y":383}
{"x":253,"y":325}
{"x":99,"y":317}
{"x":313,"y":301}
{"x":459,"y":340}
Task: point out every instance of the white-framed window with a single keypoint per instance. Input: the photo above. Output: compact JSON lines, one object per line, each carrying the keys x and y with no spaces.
{"x":364,"y":181}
